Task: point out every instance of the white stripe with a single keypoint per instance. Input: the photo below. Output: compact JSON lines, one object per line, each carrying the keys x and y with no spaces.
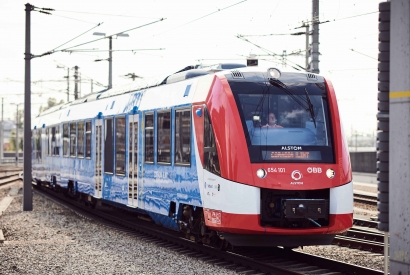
{"x":341,"y":199}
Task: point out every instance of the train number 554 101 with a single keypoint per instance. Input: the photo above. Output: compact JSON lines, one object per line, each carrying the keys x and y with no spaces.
{"x":276,"y":170}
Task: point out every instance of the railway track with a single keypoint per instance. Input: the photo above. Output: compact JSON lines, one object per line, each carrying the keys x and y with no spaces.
{"x":362,"y":236}
{"x":242,"y":260}
{"x":364,"y":197}
{"x":10,"y":176}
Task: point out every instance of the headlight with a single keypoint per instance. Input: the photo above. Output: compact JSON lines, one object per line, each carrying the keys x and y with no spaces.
{"x":274,"y":73}
{"x":330,"y":173}
{"x":261,"y":173}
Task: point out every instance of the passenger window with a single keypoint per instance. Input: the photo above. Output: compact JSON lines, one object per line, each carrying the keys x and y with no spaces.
{"x":183,"y":137}
{"x":53,"y":140}
{"x":80,"y":147}
{"x":66,"y":140}
{"x":38,"y":145}
{"x":164,"y":137}
{"x":108,"y":147}
{"x":58,"y":141}
{"x":73,"y":139}
{"x":211,"y":160}
{"x":149,"y":138}
{"x":120,"y":146}
{"x":88,"y":139}
{"x":48,"y":140}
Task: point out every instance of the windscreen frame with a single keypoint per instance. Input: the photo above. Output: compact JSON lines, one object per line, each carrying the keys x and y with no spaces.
{"x":255,"y":151}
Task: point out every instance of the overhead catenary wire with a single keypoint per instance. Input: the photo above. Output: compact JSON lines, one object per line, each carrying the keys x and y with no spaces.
{"x":95,"y":50}
{"x":363,"y":54}
{"x":51,"y":52}
{"x":352,"y":69}
{"x":116,"y":34}
{"x":272,"y":34}
{"x":107,"y":14}
{"x":262,"y":48}
{"x":271,"y":53}
{"x":99,"y":24}
{"x":358,"y":15}
{"x":74,"y":19}
{"x":199,"y":18}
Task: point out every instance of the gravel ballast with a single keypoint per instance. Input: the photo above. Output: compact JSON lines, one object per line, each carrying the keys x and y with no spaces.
{"x":53,"y":240}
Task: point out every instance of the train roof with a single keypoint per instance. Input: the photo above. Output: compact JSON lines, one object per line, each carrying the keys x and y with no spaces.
{"x":232,"y":72}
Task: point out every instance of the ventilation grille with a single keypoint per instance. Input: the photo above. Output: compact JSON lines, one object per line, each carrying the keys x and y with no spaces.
{"x":236,"y":74}
{"x":311,"y":77}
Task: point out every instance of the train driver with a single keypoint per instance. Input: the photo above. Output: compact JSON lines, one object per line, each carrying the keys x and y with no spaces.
{"x":271,"y":122}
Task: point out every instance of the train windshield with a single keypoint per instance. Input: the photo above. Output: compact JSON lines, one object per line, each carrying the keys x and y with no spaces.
{"x":285,"y":122}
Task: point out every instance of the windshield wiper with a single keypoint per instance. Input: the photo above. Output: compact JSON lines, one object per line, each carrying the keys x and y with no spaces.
{"x":310,"y":107}
{"x":305,"y":103}
{"x":286,"y":89}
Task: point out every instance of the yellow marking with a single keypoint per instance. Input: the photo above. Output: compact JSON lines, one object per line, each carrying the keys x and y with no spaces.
{"x":399,"y":94}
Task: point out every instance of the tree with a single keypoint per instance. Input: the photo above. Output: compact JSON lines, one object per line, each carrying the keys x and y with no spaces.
{"x":21,"y":119}
{"x":51,"y":102}
{"x":12,"y":141}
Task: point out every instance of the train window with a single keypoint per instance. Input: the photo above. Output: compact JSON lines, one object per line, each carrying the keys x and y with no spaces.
{"x":108,"y":147}
{"x":53,"y":140}
{"x":73,"y":139}
{"x":57,"y":141}
{"x":149,"y":138}
{"x":182,"y":136}
{"x":120,"y":146}
{"x":38,"y":145}
{"x":48,"y":140}
{"x":66,"y":140}
{"x":80,"y":144}
{"x":211,"y":159}
{"x":33,"y":144}
{"x":88,"y":139}
{"x":164,"y":137}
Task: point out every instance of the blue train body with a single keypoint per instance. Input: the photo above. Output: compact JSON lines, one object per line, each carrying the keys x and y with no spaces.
{"x":158,"y":184}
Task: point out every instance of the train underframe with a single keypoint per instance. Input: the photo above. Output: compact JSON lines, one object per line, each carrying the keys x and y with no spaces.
{"x":299,"y":218}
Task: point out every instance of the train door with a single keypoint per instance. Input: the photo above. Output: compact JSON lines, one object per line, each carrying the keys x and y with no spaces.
{"x":133,"y":161}
{"x":98,"y":158}
{"x":41,"y":150}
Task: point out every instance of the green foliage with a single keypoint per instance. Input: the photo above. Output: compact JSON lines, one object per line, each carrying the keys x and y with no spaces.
{"x":51,"y":102}
{"x":12,"y":141}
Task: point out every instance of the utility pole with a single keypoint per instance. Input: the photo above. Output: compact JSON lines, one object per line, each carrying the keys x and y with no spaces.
{"x":76,"y":82}
{"x":17,"y":134}
{"x":2,"y":131}
{"x":91,"y":86}
{"x":80,"y":90}
{"x":306,"y":25}
{"x":68,"y":81}
{"x":314,"y":68}
{"x":110,"y":64}
{"x":399,"y":131}
{"x":27,"y":188}
{"x":110,"y":54}
{"x":284,"y":59}
{"x":68,"y":84}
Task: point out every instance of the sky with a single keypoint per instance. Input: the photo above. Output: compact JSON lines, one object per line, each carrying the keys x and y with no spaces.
{"x":190,"y":32}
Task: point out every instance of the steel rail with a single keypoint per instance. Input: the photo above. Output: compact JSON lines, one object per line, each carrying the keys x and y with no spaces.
{"x":269,"y":261}
{"x":367,"y":199}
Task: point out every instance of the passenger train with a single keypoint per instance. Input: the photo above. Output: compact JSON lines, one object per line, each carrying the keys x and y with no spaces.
{"x":229,"y":154}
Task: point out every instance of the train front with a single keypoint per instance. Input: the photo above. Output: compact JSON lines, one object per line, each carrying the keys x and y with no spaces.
{"x":276,"y":167}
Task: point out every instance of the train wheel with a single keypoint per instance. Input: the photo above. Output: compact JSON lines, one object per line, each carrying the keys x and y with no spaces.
{"x":222,"y":244}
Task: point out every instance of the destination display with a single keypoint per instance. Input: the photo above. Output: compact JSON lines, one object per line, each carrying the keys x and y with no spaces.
{"x":288,"y":155}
